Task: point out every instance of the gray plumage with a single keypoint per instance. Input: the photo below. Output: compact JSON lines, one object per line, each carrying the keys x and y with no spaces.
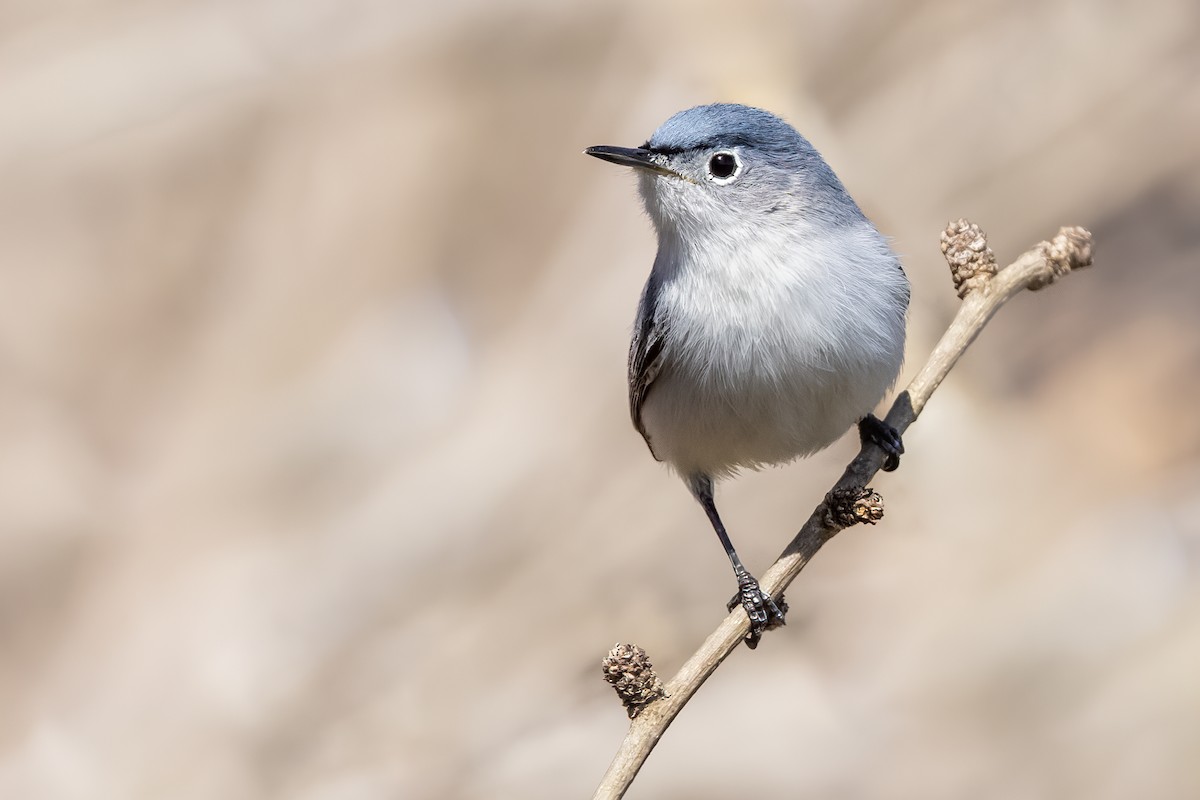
{"x":774,"y":315}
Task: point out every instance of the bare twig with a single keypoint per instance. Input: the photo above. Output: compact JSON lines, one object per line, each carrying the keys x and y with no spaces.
{"x":984,"y":290}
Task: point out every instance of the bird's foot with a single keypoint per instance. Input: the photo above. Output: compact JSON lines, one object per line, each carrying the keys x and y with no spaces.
{"x":765,"y":613}
{"x":874,"y":430}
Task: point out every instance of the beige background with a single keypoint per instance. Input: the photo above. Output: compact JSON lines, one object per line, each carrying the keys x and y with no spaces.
{"x":316,"y":479}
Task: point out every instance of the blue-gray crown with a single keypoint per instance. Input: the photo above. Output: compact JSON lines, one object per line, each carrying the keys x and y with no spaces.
{"x":727,"y":125}
{"x":722,"y":125}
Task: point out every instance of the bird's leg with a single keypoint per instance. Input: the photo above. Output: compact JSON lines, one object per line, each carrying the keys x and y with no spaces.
{"x":875,"y":431}
{"x":764,"y":612}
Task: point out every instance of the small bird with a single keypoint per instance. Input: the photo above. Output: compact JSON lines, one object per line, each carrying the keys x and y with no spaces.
{"x":773,"y":318}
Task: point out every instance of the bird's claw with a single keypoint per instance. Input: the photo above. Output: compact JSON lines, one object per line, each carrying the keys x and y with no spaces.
{"x":876,"y":431}
{"x":764,"y":612}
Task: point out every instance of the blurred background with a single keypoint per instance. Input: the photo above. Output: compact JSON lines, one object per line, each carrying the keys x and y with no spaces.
{"x":316,"y":475}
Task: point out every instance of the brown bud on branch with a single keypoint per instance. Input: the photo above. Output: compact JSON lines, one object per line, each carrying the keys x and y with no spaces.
{"x":628,"y":669}
{"x":1070,"y":249}
{"x":972,"y":263}
{"x":850,"y":506}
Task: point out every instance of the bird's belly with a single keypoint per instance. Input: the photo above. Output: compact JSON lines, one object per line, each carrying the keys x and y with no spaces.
{"x":774,"y":359}
{"x":698,"y":427}
{"x":761,"y":400}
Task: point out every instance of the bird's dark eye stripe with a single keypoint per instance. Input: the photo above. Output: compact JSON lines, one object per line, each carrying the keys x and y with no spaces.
{"x":732,"y":140}
{"x":664,"y":151}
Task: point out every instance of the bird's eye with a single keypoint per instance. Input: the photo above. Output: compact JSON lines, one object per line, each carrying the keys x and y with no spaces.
{"x":724,"y":166}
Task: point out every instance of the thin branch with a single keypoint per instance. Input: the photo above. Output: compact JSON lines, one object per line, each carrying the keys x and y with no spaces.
{"x":984,"y":290}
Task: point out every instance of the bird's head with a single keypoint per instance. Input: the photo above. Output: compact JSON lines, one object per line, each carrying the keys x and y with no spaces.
{"x":716,"y":167}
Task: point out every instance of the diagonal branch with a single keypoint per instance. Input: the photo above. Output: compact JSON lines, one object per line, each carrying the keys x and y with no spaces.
{"x":984,"y":290}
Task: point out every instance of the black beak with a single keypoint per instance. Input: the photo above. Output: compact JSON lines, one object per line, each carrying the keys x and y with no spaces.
{"x":636,"y":157}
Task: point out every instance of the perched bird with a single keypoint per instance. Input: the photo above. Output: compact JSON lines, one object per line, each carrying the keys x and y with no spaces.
{"x":773,"y":318}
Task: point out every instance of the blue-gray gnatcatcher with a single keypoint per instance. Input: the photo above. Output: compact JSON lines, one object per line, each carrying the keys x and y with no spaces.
{"x":773,"y":318}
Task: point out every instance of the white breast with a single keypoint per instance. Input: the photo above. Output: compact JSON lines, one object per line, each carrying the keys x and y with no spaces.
{"x":774,"y":350}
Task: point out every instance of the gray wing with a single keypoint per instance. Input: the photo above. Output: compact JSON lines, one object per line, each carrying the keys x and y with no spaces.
{"x":645,"y":354}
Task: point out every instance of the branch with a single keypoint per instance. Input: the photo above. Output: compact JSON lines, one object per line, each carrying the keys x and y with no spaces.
{"x":984,"y":290}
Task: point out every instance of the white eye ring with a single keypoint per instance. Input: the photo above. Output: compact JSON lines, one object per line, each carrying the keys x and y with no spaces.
{"x":723,"y":167}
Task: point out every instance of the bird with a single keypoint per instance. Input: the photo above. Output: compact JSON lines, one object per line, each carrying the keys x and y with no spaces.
{"x":773,"y":319}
